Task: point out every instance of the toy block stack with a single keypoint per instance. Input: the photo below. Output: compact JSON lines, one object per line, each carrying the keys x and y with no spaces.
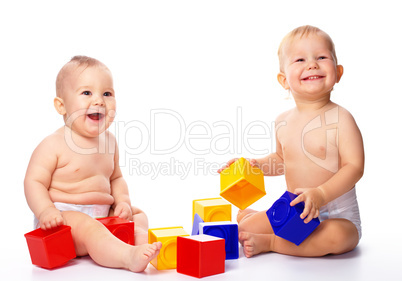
{"x":213,"y":217}
{"x":242,"y":184}
{"x":286,"y":222}
{"x":198,"y":255}
{"x":121,"y":228}
{"x":51,"y":248}
{"x":167,"y":258}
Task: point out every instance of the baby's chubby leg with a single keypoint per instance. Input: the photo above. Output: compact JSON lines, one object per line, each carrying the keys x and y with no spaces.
{"x":255,"y":232}
{"x":141,"y":226}
{"x":333,"y":236}
{"x":243,"y":214}
{"x":91,"y":237}
{"x":254,"y":222}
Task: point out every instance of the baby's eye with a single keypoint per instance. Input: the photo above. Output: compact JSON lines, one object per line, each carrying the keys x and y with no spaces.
{"x":322,"y":58}
{"x":107,"y":94}
{"x":86,"y":93}
{"x":299,"y":60}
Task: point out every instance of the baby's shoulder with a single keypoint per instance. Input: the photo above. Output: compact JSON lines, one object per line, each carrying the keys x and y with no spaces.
{"x":54,"y":141}
{"x":344,"y":115}
{"x":49,"y":148}
{"x":284,"y":116}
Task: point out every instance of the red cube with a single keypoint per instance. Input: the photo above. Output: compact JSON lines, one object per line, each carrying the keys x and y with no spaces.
{"x":121,"y":228}
{"x":51,"y":248}
{"x":200,"y":255}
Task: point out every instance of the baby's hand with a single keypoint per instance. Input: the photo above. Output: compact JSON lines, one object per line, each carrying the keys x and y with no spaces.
{"x":253,"y":163}
{"x":230,"y":162}
{"x":123,"y":210}
{"x":313,"y":200}
{"x":50,"y":218}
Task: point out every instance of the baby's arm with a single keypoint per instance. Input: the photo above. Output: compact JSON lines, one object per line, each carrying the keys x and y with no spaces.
{"x":122,"y":202}
{"x":37,"y":181}
{"x":351,"y":154}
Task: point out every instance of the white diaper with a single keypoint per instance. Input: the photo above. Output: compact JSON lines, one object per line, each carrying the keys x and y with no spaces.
{"x":94,"y":211}
{"x":345,"y":207}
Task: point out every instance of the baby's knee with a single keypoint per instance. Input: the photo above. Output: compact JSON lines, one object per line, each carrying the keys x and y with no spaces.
{"x":343,"y":237}
{"x":75,"y":218}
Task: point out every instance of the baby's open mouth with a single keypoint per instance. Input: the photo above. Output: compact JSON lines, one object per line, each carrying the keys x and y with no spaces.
{"x":312,"y":77}
{"x":95,"y":116}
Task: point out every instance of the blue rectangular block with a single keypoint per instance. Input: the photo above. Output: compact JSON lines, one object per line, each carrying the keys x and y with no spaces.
{"x":226,"y":230}
{"x":286,"y":222}
{"x":196,"y":224}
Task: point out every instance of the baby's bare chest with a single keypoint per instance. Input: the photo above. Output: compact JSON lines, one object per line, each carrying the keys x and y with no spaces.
{"x":76,"y":167}
{"x":309,"y":140}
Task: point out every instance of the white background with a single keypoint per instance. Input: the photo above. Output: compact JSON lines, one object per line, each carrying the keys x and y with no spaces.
{"x":201,"y":62}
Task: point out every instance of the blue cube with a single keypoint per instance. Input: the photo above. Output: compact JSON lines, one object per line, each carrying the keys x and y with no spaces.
{"x":286,"y":222}
{"x":226,"y":230}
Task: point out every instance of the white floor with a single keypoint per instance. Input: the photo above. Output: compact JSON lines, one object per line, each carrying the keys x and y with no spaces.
{"x":369,"y":261}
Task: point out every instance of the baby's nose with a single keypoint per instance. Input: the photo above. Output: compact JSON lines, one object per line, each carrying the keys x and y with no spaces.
{"x":312,"y":65}
{"x":98,"y":100}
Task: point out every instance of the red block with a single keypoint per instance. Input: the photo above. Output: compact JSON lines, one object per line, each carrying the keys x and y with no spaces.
{"x":121,"y":228}
{"x":51,"y":248}
{"x":200,"y":255}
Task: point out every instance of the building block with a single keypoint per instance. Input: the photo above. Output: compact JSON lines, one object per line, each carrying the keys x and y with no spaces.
{"x":51,"y":248}
{"x":212,"y":209}
{"x":242,"y":184}
{"x":167,"y":258}
{"x":196,"y":224}
{"x":286,"y":222}
{"x":121,"y":228}
{"x":226,"y":230}
{"x":200,"y":255}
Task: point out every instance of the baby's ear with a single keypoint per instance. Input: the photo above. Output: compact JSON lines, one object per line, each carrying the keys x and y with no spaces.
{"x":282,"y":80}
{"x":59,"y":105}
{"x":339,"y":72}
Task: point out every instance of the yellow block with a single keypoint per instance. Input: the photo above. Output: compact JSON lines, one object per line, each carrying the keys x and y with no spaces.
{"x":167,"y":258}
{"x":242,"y":184}
{"x":212,"y":209}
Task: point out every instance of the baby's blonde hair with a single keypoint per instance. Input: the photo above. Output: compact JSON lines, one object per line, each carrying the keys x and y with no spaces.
{"x":77,"y":61}
{"x":300,"y":32}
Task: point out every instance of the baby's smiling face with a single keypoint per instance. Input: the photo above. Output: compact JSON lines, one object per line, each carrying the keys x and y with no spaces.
{"x":309,"y":67}
{"x":88,"y":99}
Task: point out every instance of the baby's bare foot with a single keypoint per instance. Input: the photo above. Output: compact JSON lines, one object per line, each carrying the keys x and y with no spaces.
{"x":254,"y":244}
{"x":141,"y":255}
{"x":242,"y":214}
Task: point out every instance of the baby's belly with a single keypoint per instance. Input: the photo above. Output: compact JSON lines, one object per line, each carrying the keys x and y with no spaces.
{"x":95,"y":190}
{"x":305,"y":176}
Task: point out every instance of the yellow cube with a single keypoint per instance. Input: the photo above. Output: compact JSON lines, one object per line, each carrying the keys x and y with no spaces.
{"x":242,"y":184}
{"x":167,"y":258}
{"x":212,"y":209}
